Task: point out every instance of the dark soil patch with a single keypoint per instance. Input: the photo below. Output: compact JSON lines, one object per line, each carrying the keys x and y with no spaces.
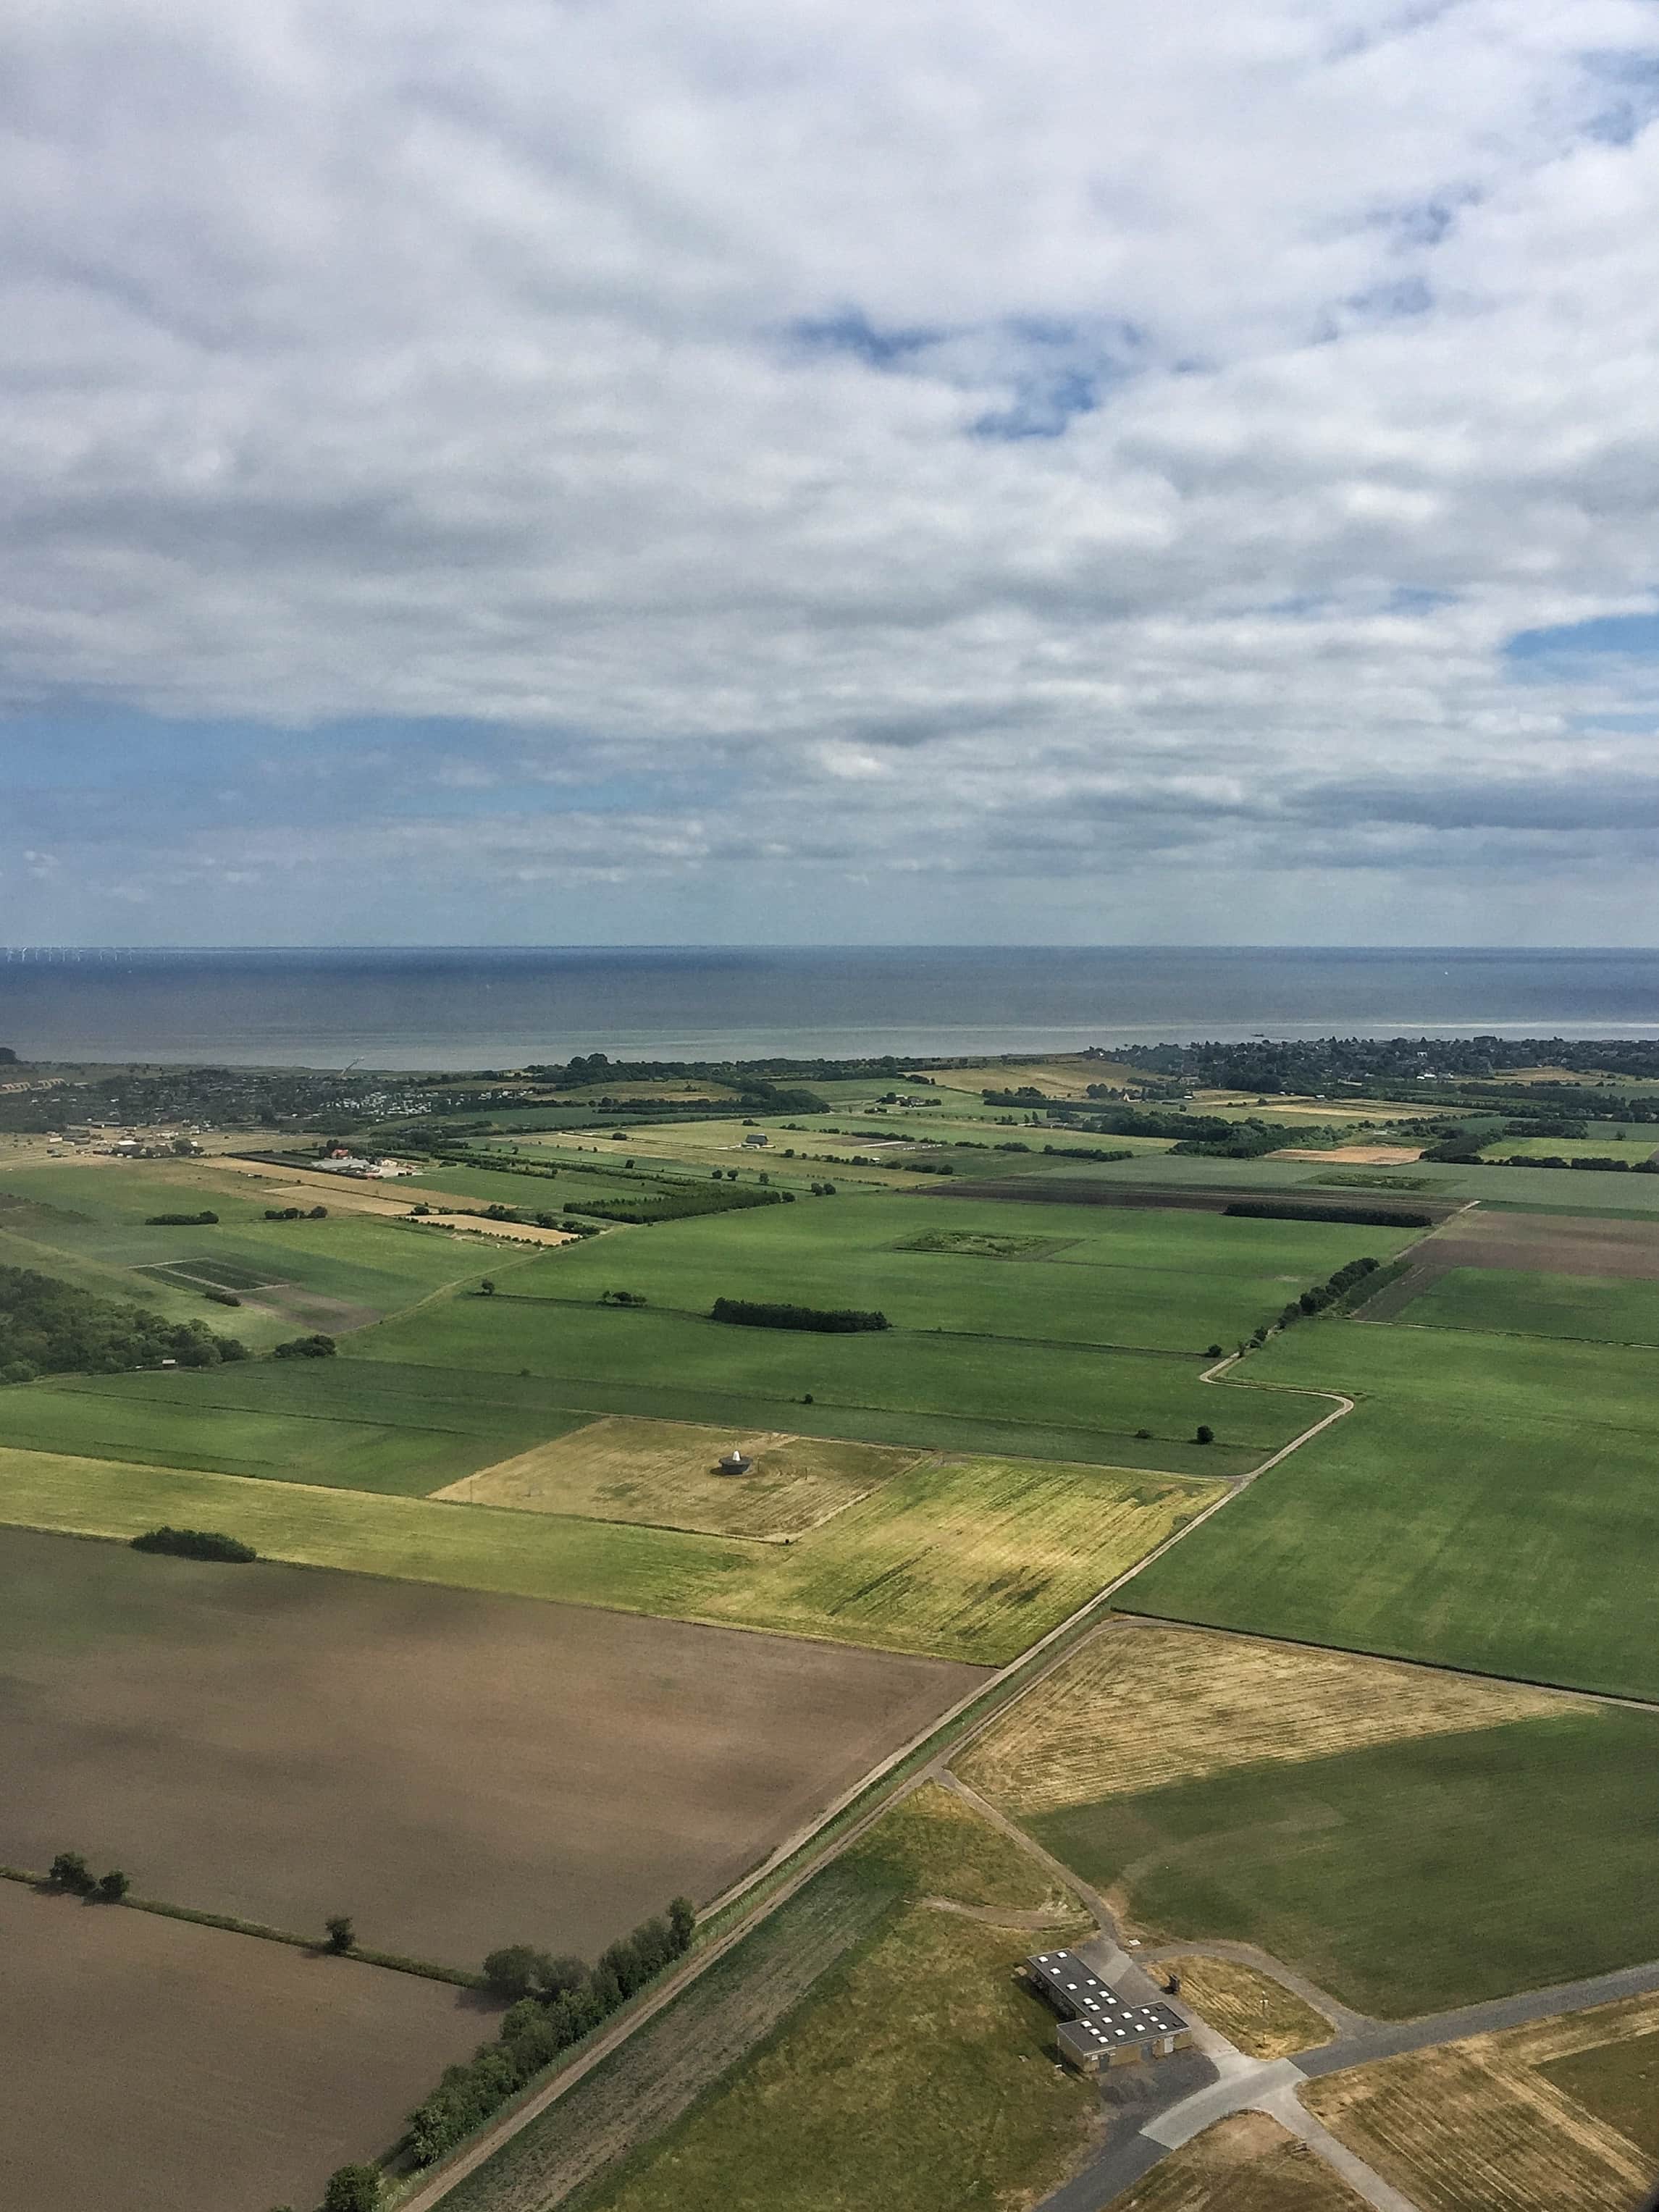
{"x":1528,"y":1244}
{"x":454,"y":1769}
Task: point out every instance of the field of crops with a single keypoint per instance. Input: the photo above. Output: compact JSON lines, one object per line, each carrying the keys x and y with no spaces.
{"x":1490,"y":1504}
{"x":1594,"y":1308}
{"x":918,"y":2073}
{"x":1139,"y":1706}
{"x":667,"y":1474}
{"x":1556,"y":2117}
{"x":1407,"y":1876}
{"x":967,"y":1559}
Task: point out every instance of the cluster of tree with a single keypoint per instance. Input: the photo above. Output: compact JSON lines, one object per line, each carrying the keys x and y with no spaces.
{"x":52,"y":1327}
{"x":823,"y":1190}
{"x":181,"y":1220}
{"x":195,"y":1544}
{"x":1364,"y":1217}
{"x":356,"y":2188}
{"x":315,"y":1346}
{"x":829,"y":1321}
{"x":1332,"y":1292}
{"x":1088,"y":1153}
{"x":554,"y":2002}
{"x":945,"y":1167}
{"x":71,"y":1872}
{"x":296,"y":1213}
{"x":624,"y":1298}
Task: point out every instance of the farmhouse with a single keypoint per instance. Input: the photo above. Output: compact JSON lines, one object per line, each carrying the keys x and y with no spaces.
{"x":1097,"y":2027}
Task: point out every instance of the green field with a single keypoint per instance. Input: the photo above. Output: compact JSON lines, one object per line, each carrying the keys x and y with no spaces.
{"x":209,"y":1422}
{"x":918,"y":2072}
{"x":1490,"y":1504}
{"x":970,"y":1559}
{"x":1168,"y":1281}
{"x":1617,"y":2081}
{"x":1602,"y":1141}
{"x":1601,"y":1309}
{"x":1407,"y":1876}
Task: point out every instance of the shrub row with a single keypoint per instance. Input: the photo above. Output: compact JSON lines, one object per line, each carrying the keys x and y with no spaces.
{"x":195,"y":1544}
{"x":180,"y":1220}
{"x":557,"y":2003}
{"x":751,"y":1313}
{"x":1364,"y":1217}
{"x":1346,"y":1280}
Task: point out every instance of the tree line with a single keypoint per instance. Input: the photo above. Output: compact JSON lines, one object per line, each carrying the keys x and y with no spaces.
{"x":754,"y":1312}
{"x":553,"y":2002}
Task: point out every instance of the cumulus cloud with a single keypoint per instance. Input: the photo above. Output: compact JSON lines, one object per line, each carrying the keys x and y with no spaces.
{"x":551,"y":470}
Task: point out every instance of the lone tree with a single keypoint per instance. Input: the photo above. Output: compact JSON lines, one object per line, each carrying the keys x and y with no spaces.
{"x":113,"y":1887}
{"x":487,"y":1288}
{"x":1205,"y":1434}
{"x":71,"y":1872}
{"x":353,"y":2188}
{"x":341,"y":1933}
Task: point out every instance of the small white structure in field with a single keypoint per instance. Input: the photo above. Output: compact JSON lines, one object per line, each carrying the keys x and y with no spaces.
{"x":733,"y":1462}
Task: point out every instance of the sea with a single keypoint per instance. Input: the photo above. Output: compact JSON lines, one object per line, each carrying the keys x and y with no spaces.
{"x":457,"y":1007}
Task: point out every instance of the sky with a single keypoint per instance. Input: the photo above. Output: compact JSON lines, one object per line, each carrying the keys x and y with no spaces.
{"x":1008,"y":471}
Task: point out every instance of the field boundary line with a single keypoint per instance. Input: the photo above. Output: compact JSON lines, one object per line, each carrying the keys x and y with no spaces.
{"x":1048,"y":1651}
{"x":228,"y":1924}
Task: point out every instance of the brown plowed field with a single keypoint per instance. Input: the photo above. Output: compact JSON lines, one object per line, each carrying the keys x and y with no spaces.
{"x":1529,"y":1243}
{"x":148,"y":2065}
{"x":455,"y":1770}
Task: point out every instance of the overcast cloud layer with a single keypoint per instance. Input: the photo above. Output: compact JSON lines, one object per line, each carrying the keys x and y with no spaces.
{"x":974,"y":471}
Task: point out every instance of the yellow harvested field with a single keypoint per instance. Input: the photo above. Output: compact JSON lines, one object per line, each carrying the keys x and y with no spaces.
{"x":1136,"y":1707}
{"x":1476,"y":2125}
{"x":1250,"y":2009}
{"x":1245,"y":2164}
{"x":1364,"y":1156}
{"x":665,"y":1475}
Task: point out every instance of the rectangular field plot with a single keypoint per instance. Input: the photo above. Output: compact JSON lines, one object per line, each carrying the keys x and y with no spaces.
{"x":455,"y":1772}
{"x":1599,"y":1309}
{"x":667,"y":1474}
{"x":1492,"y":1504}
{"x":161,"y":2067}
{"x":163,"y":1421}
{"x":1407,"y":1876}
{"x":218,"y":1274}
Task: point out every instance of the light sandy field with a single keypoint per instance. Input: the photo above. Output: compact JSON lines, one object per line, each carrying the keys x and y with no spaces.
{"x":1479,"y":2125}
{"x":391,"y":1201}
{"x":1135,"y":1708}
{"x":150,"y":2065}
{"x":1252,"y":2010}
{"x":666,"y":1474}
{"x":1358,"y":1156}
{"x":1245,"y":2164}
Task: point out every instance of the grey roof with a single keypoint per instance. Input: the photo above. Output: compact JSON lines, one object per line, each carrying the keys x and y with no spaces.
{"x":1100,"y":2019}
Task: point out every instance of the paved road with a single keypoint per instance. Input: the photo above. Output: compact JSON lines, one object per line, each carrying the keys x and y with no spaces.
{"x":1241,"y":2084}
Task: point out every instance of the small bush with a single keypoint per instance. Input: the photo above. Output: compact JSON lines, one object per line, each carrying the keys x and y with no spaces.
{"x":113,"y":1887}
{"x":195,"y":1544}
{"x":341,"y":1933}
{"x":353,"y":2188}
